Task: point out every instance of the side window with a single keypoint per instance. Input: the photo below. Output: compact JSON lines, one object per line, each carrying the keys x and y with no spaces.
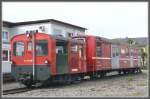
{"x":135,"y":52}
{"x":29,"y":46}
{"x":41,"y":48}
{"x":98,"y":49}
{"x":131,"y":52}
{"x":123,"y":51}
{"x":18,"y":48}
{"x":117,"y":51}
{"x":61,"y":47}
{"x":139,"y":52}
{"x":10,"y":55}
{"x":127,"y":52}
{"x":113,"y":51}
{"x":5,"y":55}
{"x":81,"y":51}
{"x":74,"y":48}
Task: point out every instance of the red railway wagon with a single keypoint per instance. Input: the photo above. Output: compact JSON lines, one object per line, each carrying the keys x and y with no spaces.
{"x":39,"y":57}
{"x":98,"y":53}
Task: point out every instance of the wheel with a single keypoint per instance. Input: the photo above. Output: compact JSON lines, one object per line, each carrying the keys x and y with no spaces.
{"x":140,"y":70}
{"x":28,"y":85}
{"x":119,"y":72}
{"x":102,"y":75}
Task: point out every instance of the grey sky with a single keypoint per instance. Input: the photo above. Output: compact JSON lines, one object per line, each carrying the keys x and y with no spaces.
{"x":106,"y":19}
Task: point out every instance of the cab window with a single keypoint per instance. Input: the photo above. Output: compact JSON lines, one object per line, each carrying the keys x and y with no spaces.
{"x":41,"y":48}
{"x":18,"y":48}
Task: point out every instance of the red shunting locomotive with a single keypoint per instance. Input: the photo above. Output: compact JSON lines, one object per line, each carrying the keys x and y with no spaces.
{"x":43,"y":58}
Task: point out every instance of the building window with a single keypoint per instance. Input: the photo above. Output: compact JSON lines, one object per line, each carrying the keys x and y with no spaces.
{"x":70,"y":34}
{"x":5,"y":55}
{"x":57,"y":32}
{"x":5,"y":35}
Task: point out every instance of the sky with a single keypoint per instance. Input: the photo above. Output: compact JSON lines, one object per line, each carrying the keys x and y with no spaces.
{"x":105,"y":19}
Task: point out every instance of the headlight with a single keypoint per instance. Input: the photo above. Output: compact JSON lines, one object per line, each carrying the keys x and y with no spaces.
{"x":46,"y":61}
{"x":28,"y":35}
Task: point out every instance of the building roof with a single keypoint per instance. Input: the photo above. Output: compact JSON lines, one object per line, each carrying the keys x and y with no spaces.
{"x":11,"y":24}
{"x":7,"y":24}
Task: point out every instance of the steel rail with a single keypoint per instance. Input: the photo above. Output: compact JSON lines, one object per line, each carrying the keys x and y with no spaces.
{"x":14,"y":91}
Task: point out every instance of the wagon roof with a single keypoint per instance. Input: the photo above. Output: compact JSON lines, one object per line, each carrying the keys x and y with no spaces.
{"x":61,"y":38}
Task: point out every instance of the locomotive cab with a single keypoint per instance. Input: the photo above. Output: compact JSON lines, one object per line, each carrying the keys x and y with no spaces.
{"x":31,"y":58}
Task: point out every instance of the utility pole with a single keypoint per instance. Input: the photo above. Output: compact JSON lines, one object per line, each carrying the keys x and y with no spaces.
{"x":33,"y":54}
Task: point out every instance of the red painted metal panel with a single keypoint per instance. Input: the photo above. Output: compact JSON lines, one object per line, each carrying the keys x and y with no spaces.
{"x":91,"y":52}
{"x":124,"y":56}
{"x":104,"y":62}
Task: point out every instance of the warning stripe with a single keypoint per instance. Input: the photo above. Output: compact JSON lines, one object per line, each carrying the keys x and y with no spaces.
{"x":124,"y":58}
{"x":101,"y":58}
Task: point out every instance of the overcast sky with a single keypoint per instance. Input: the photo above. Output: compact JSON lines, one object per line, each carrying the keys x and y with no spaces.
{"x":106,"y":19}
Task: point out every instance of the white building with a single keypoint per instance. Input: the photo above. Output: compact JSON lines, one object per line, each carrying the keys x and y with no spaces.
{"x":48,"y":26}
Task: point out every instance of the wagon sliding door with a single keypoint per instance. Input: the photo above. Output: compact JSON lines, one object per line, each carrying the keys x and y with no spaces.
{"x":115,"y":56}
{"x":62,"y":57}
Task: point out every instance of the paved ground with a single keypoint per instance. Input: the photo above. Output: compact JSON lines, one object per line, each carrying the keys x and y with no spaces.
{"x":116,"y":86}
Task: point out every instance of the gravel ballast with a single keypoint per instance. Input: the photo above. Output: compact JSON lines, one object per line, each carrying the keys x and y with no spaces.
{"x":131,"y":85}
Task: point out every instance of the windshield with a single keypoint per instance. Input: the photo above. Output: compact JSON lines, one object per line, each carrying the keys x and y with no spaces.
{"x":41,"y":48}
{"x":18,"y":48}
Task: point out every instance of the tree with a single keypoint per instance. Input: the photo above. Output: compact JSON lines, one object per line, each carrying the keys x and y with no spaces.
{"x":130,"y":41}
{"x":143,"y":56}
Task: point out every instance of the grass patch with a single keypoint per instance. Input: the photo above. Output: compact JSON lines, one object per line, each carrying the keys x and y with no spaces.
{"x":136,"y":94}
{"x":129,"y":84}
{"x":130,"y":78}
{"x":141,"y":84}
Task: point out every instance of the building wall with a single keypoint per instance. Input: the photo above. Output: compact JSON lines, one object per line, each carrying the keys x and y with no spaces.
{"x":42,"y":27}
{"x":6,"y":29}
{"x":64,"y":30}
{"x":6,"y":66}
{"x":49,"y":28}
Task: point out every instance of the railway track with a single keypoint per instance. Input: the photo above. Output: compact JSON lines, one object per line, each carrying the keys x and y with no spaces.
{"x":14,"y":91}
{"x":24,"y":89}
